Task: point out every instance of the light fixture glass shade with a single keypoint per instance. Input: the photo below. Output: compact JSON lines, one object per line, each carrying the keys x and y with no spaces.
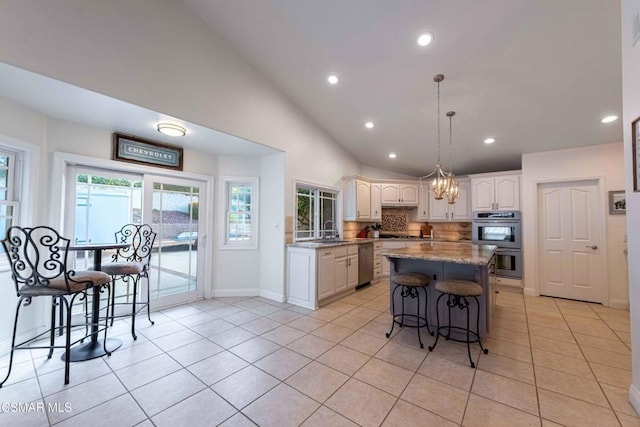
{"x":440,"y":183}
{"x":171,"y":130}
{"x":453,"y":189}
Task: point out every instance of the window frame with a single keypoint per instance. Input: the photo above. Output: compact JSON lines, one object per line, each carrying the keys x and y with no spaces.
{"x":226,"y":182}
{"x":317,"y":232}
{"x":22,"y":180}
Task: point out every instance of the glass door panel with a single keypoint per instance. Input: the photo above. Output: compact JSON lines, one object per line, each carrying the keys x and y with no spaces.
{"x":174,"y":215}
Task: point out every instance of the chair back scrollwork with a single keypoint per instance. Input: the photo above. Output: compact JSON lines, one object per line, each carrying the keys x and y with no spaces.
{"x":37,"y":256}
{"x":141,"y":238}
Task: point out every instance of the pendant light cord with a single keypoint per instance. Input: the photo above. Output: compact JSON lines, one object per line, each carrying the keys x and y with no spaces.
{"x":438,"y":122}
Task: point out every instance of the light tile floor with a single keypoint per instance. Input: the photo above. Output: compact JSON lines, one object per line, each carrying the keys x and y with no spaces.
{"x":246,"y":361}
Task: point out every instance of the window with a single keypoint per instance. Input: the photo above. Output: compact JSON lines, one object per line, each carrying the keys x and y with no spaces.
{"x":241,"y":203}
{"x":9,"y":190}
{"x":316,"y":212}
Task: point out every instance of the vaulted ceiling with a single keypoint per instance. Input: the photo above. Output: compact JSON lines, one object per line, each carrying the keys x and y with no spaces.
{"x":535,"y":75}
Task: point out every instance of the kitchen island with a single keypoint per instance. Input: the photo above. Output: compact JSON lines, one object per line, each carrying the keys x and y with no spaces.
{"x":448,"y":260}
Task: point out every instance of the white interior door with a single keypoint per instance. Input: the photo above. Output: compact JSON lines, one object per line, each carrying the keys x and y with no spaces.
{"x":569,"y":224}
{"x":175,"y":209}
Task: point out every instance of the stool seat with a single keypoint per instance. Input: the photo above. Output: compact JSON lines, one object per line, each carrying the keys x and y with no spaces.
{"x":462,"y":288}
{"x":410,"y":279}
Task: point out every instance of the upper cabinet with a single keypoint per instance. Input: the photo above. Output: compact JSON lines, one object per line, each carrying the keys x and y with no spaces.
{"x":422,"y":213}
{"x":376,"y":202}
{"x":363,"y":199}
{"x":357,"y":206}
{"x":395,"y":194}
{"x":441,"y":210}
{"x":500,"y":192}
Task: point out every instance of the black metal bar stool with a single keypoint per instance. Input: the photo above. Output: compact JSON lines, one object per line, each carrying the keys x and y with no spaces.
{"x":409,"y":285}
{"x":458,"y":292}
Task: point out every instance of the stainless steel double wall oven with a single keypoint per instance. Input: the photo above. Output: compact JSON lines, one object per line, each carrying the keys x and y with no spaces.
{"x":502,"y":229}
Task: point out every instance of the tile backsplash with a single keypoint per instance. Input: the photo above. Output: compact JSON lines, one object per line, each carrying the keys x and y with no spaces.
{"x":399,"y":220}
{"x":395,"y":220}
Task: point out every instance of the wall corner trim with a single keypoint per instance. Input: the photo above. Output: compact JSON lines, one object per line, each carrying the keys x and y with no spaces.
{"x":634,"y":397}
{"x":276,"y":296}
{"x":530,"y":292}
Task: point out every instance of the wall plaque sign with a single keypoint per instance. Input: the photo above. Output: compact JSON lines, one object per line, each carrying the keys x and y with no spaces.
{"x":131,"y":149}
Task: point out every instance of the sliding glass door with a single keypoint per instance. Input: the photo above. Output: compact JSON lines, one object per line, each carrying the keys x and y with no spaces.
{"x":102,"y":201}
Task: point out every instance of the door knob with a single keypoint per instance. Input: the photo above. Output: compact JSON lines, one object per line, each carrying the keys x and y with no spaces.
{"x":592,"y":246}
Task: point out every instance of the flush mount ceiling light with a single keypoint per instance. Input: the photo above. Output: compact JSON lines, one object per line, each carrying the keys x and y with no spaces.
{"x":443,"y":183}
{"x":609,"y":119}
{"x":489,"y":140}
{"x":171,"y":130}
{"x":425,"y":39}
{"x":332,"y":79}
{"x":392,"y":155}
{"x":369,"y":125}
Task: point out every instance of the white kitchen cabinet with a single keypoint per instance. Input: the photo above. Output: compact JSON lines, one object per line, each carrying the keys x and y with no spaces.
{"x":357,"y":203}
{"x":326,"y":273}
{"x":345,"y":271}
{"x":441,"y":210}
{"x":377,"y":259}
{"x":495,"y":192}
{"x":399,"y":194}
{"x":314,"y":274}
{"x":422,"y":213}
{"x":376,"y":204}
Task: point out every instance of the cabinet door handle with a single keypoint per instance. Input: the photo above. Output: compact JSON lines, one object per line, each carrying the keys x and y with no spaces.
{"x":358,"y":214}
{"x":452,"y":215}
{"x":327,"y":253}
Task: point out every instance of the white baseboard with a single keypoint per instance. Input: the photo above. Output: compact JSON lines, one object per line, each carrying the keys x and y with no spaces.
{"x":273,"y":295}
{"x":530,"y":292}
{"x":236,"y":292}
{"x":634,"y":397}
{"x":619,"y":303}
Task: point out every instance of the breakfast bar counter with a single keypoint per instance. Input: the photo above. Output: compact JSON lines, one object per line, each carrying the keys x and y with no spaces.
{"x":448,"y":260}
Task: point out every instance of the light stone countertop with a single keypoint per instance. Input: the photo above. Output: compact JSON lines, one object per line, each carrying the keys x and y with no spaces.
{"x":315,"y":244}
{"x":453,"y":252}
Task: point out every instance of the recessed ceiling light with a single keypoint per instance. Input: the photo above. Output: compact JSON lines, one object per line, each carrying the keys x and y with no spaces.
{"x":369,"y":125}
{"x":489,"y":140}
{"x":425,"y":39}
{"x":171,"y":130}
{"x":332,"y":79}
{"x":609,"y":119}
{"x":392,"y":155}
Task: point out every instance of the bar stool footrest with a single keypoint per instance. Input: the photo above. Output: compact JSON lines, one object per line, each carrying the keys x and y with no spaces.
{"x":473,"y":336}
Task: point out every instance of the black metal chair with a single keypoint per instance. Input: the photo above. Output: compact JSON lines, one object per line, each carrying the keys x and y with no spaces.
{"x":130,"y":265}
{"x":38,"y":259}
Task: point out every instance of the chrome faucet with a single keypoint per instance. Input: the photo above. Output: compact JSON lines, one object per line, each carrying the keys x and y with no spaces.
{"x":334,"y":230}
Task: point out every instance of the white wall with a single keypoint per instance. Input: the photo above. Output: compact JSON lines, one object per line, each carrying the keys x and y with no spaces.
{"x":601,"y":161}
{"x":272,"y":252}
{"x":631,"y":111}
{"x":120,"y":48}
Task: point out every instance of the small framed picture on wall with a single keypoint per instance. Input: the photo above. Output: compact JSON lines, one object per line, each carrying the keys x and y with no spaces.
{"x":617,"y":202}
{"x":635,"y":150}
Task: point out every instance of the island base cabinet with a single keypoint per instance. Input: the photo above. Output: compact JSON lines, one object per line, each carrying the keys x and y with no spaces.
{"x":440,"y":270}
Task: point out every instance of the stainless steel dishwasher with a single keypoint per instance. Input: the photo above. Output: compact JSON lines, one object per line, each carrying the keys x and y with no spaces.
{"x":365,"y":264}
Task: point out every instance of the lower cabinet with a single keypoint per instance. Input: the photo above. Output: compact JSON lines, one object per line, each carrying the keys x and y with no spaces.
{"x":377,"y":259}
{"x":316,"y":274}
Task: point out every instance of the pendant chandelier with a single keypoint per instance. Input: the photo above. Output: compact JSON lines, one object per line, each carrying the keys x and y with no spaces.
{"x":453,"y":189}
{"x":443,"y":184}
